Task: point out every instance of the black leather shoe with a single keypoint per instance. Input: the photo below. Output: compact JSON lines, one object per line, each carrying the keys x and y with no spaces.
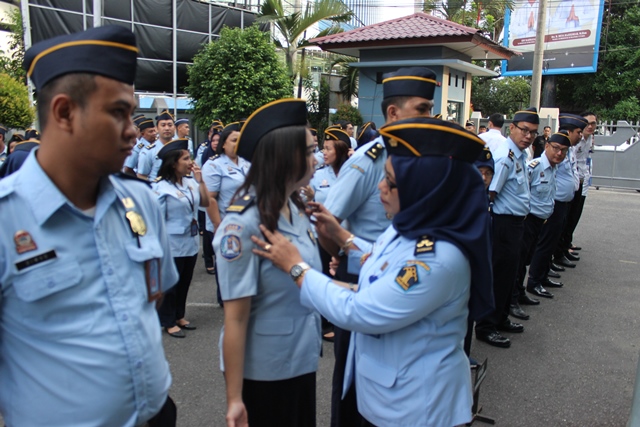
{"x":539,"y":291}
{"x":494,"y":339}
{"x":509,"y":326}
{"x":187,"y":327}
{"x":516,"y":311}
{"x":556,"y":267}
{"x":571,"y":257}
{"x":552,"y":284}
{"x":564,"y":262}
{"x":553,"y":274}
{"x":527,"y":300}
{"x":177,"y":334}
{"x":575,"y":248}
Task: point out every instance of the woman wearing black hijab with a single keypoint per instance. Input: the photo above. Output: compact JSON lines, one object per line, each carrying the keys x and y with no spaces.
{"x":417,"y":283}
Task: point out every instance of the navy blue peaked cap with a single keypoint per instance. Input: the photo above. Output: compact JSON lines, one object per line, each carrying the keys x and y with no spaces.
{"x":109,"y":51}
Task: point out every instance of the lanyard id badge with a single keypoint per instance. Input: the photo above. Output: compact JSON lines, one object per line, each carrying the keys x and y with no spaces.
{"x":194,"y":228}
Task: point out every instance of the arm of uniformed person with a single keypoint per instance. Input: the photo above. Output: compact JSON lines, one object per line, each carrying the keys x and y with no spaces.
{"x":349,"y":192}
{"x":502,"y":167}
{"x":143,"y":167}
{"x":212,"y":178}
{"x":393,"y":303}
{"x":202,"y":188}
{"x":238,"y":275}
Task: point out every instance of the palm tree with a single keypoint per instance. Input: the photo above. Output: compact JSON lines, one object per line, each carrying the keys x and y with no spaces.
{"x":348,"y":83}
{"x":292,"y":28}
{"x":490,"y":11}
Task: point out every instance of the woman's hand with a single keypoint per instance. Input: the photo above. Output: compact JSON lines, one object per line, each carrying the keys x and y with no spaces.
{"x":308,"y":193}
{"x":277,"y":249}
{"x":326,"y":224}
{"x":237,"y":415}
{"x":197,"y":174}
{"x":333,"y":265}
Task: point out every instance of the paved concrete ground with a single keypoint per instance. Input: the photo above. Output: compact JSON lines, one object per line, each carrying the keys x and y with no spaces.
{"x":573,"y":366}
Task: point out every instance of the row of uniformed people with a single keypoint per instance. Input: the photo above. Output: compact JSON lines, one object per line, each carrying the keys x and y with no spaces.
{"x":17,"y":150}
{"x":528,"y":212}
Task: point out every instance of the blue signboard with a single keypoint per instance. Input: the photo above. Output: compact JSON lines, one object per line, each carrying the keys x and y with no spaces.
{"x":572,"y":36}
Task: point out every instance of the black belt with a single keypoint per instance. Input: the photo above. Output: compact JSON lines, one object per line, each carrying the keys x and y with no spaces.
{"x":512,"y":217}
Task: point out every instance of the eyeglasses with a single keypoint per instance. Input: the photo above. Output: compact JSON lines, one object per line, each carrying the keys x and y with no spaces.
{"x":527,"y":132}
{"x":391,"y":185}
{"x":558,"y":149}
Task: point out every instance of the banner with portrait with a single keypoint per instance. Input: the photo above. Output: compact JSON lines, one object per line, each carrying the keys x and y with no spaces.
{"x":571,"y":40}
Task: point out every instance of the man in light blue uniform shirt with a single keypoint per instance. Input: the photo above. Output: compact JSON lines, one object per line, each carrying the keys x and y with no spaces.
{"x":509,"y":191}
{"x":542,"y":183}
{"x":183,"y":131}
{"x":148,"y":135}
{"x":83,"y":254}
{"x":355,"y":197}
{"x":148,"y":161}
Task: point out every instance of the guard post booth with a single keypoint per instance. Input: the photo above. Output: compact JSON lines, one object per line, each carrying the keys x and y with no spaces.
{"x":417,"y":40}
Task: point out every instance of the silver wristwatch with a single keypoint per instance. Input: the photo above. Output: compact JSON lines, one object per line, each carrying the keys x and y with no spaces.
{"x":298,"y":270}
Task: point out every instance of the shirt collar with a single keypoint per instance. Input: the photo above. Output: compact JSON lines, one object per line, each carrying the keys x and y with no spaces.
{"x":45,"y":198}
{"x":512,"y":145}
{"x":545,"y":162}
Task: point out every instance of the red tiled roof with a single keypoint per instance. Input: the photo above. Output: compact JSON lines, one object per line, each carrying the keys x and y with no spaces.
{"x":417,"y":26}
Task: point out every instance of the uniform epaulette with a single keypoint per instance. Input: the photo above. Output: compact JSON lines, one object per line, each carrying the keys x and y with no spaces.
{"x":511,"y":154}
{"x":424,"y":244}
{"x":132,"y":178}
{"x":241,"y":204}
{"x":140,"y":145}
{"x":533,"y":163}
{"x":375,"y":151}
{"x":215,"y":156}
{"x":158,"y":179}
{"x":204,"y":144}
{"x":150,"y":146}
{"x":322,"y":166}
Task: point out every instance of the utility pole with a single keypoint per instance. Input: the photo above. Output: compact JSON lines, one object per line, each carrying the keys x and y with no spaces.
{"x":538,"y":54}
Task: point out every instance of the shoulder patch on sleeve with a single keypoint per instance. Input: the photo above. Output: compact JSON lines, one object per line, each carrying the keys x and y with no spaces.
{"x":230,"y":247}
{"x":424,"y":245}
{"x":375,"y":151}
{"x":534,"y":163}
{"x":150,"y":146}
{"x":241,"y":204}
{"x":358,"y":168}
{"x":407,"y":276}
{"x":132,"y":178}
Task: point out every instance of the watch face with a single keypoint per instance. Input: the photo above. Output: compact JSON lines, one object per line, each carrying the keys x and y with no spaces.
{"x":296,"y":270}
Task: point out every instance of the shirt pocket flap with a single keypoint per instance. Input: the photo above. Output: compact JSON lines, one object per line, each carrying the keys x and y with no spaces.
{"x":376,"y":372}
{"x":39,"y":283}
{"x":274,"y":327}
{"x":149,"y":249}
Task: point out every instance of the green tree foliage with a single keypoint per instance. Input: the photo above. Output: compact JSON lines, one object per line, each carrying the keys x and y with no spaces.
{"x":237,"y":74}
{"x":318,"y":105}
{"x":349,"y":113}
{"x":348,"y":83}
{"x":15,"y":109}
{"x":504,"y":95}
{"x":613,"y":92}
{"x":291,"y":28}
{"x":485,"y":15}
{"x":11,"y":62}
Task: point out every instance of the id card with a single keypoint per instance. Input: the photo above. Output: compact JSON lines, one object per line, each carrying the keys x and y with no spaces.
{"x":152,"y":274}
{"x":194,"y":228}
